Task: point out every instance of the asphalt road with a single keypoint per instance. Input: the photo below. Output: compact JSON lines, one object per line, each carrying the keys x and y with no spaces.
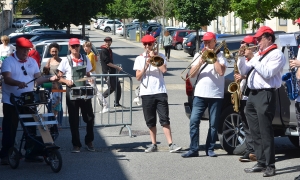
{"x":121,"y":157}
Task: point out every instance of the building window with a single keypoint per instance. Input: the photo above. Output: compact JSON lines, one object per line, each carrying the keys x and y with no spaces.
{"x":282,"y":22}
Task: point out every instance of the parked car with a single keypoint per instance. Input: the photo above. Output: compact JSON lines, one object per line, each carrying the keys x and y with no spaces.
{"x":177,"y":38}
{"x":98,"y":22}
{"x":19,"y":23}
{"x":47,"y":31}
{"x":230,"y":131}
{"x":109,"y":25}
{"x":43,"y":37}
{"x":43,"y":49}
{"x":87,"y":27}
{"x":12,"y":40}
{"x":120,"y":30}
{"x":155,"y":31}
{"x":35,"y":21}
{"x":148,"y":27}
{"x":28,"y":29}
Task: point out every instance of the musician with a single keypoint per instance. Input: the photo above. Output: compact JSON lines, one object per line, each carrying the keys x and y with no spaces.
{"x":209,"y":93}
{"x":17,"y":70}
{"x":263,"y":81}
{"x":246,"y":54}
{"x":108,"y":67}
{"x":75,"y":67}
{"x":153,"y":93}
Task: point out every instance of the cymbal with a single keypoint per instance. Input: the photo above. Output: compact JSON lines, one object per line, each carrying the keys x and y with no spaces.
{"x":84,"y":79}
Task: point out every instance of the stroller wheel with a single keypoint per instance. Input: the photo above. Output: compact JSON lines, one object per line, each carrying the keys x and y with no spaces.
{"x":13,"y":157}
{"x":55,"y":160}
{"x":47,"y":160}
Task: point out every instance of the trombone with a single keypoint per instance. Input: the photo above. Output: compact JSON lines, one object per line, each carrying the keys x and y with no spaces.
{"x":243,"y":48}
{"x":155,"y":61}
{"x":209,"y":57}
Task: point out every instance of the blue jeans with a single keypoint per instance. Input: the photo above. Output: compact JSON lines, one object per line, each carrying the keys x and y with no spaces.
{"x":200,"y":104}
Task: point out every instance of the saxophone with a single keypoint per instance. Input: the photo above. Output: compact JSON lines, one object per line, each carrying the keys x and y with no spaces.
{"x":290,"y":79}
{"x":234,"y":89}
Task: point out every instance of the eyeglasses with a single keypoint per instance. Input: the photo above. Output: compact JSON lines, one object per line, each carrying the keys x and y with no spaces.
{"x":75,"y":46}
{"x":24,"y":70}
{"x":149,"y":44}
{"x":259,"y":38}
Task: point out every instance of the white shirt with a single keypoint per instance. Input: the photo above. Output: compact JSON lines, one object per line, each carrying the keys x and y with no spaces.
{"x":12,"y":65}
{"x":65,"y":67}
{"x":7,"y":51}
{"x":266,"y":73}
{"x":210,"y":84}
{"x":156,"y":83}
{"x":243,"y":82}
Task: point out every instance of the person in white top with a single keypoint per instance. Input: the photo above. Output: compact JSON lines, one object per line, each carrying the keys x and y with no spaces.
{"x":153,"y":93}
{"x":17,"y":70}
{"x":265,"y":77}
{"x":75,"y":67}
{"x":6,"y":49}
{"x":209,"y":93}
{"x":246,"y":55}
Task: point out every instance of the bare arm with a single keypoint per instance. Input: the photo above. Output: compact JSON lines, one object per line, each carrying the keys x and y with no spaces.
{"x":114,"y":66}
{"x":63,"y":80}
{"x":220,"y":68}
{"x":139,"y":73}
{"x":10,"y":81}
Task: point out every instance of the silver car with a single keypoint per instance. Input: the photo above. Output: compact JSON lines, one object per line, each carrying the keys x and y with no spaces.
{"x":19,"y":23}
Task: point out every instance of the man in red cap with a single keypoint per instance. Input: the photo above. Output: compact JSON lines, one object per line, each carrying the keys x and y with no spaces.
{"x":154,"y":93}
{"x":264,"y":73}
{"x":75,"y":67}
{"x":208,"y":93}
{"x":247,"y":51}
{"x":17,"y":70}
{"x":108,"y":67}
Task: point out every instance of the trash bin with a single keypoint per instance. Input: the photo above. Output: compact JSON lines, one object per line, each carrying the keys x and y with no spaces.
{"x":137,"y":36}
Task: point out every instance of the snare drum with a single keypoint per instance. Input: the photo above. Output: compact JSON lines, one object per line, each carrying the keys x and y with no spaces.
{"x":82,"y":92}
{"x":34,"y":98}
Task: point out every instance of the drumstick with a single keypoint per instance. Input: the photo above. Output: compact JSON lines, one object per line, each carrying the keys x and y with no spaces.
{"x":33,"y":80}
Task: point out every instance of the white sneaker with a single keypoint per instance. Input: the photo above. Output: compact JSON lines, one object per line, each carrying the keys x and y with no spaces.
{"x":137,"y":101}
{"x":104,"y":110}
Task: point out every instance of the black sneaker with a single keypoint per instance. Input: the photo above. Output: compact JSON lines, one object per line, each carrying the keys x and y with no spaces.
{"x":118,"y":106}
{"x":245,"y":158}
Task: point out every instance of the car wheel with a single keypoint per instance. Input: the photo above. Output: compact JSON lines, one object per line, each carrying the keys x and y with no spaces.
{"x":178,"y":46}
{"x":194,"y":52}
{"x":98,"y":27}
{"x":294,"y":140}
{"x":107,"y":29}
{"x":231,"y":132}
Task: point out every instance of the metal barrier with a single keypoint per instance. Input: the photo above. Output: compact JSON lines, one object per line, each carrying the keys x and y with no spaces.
{"x":116,"y":117}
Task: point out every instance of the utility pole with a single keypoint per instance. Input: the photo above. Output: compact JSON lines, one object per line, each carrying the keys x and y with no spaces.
{"x":2,"y":3}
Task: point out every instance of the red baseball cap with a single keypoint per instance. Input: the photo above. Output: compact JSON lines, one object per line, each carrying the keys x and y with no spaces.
{"x":297,"y":21}
{"x":24,"y":43}
{"x":148,"y":39}
{"x":208,"y":36}
{"x":249,"y":40}
{"x":263,"y":29}
{"x":74,"y":41}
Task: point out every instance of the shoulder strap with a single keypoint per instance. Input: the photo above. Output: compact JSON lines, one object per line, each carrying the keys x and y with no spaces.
{"x":199,"y":74}
{"x":84,"y":58}
{"x":70,"y":60}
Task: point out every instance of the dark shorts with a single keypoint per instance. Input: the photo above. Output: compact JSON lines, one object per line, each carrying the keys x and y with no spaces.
{"x":156,"y":103}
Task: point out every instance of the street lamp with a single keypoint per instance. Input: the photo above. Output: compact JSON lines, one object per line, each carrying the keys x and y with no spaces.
{"x":2,"y":3}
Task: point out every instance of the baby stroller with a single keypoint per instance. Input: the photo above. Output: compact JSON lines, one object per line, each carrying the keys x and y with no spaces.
{"x":35,"y":145}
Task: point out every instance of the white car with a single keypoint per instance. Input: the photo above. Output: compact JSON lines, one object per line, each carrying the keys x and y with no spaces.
{"x":120,"y":30}
{"x":43,"y":49}
{"x":27,"y":29}
{"x":108,"y":25}
{"x":87,"y":27}
{"x":99,"y":21}
{"x":19,"y":23}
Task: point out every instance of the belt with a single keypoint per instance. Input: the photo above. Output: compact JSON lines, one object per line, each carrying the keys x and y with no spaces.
{"x":265,"y":89}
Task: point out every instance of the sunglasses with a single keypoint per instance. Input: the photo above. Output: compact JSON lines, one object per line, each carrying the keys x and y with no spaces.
{"x":259,"y":38}
{"x":24,"y":70}
{"x":149,"y":44}
{"x":75,"y":46}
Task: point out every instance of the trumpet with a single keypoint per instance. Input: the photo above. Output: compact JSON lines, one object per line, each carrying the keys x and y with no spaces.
{"x":209,"y":57}
{"x":243,"y":48}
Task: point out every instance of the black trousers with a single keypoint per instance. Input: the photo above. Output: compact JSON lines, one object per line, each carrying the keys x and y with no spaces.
{"x":87,"y":115}
{"x":114,"y":85}
{"x":10,"y":125}
{"x":260,"y":111}
{"x":167,"y":51}
{"x":249,"y":139}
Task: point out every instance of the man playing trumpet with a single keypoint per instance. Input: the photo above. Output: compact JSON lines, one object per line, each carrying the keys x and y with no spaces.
{"x":209,"y":93}
{"x":154,"y":93}
{"x":246,"y":53}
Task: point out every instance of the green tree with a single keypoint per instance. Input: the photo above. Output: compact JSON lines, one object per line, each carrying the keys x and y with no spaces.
{"x":257,"y":11}
{"x":59,"y":14}
{"x":199,"y":13}
{"x":292,"y":8}
{"x":139,"y":9}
